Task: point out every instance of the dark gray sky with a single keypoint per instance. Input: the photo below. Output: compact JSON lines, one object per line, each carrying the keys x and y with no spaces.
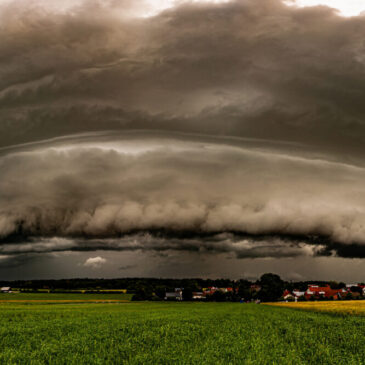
{"x":208,"y":139}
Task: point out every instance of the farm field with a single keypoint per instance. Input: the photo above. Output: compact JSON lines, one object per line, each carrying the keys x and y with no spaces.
{"x":356,"y":307}
{"x":165,"y":333}
{"x":61,"y":297}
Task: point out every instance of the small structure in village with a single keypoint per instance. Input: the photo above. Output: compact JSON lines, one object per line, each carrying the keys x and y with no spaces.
{"x":316,"y":292}
{"x":175,"y":295}
{"x":198,"y":295}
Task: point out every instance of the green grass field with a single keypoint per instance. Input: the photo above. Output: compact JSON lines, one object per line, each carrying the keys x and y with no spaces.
{"x":185,"y":333}
{"x":62,"y":297}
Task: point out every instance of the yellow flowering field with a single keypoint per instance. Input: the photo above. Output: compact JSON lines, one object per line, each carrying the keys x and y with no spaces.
{"x":346,"y":307}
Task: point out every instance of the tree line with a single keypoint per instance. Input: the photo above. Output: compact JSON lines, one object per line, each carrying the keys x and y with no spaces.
{"x":271,"y":287}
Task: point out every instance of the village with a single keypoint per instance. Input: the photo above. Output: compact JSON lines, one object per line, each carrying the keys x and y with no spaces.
{"x":316,"y":292}
{"x":268,"y":288}
{"x":313,"y":293}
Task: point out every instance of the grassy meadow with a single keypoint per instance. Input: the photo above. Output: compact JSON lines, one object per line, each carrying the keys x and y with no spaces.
{"x":184,"y":333}
{"x":61,"y":297}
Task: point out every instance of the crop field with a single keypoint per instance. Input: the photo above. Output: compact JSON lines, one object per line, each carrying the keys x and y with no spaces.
{"x":356,"y":307}
{"x":61,"y":297}
{"x":184,"y":333}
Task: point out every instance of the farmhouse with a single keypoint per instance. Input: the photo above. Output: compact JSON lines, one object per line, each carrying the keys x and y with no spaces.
{"x":324,"y":292}
{"x":287,"y":295}
{"x":298,"y":293}
{"x":5,"y":289}
{"x":294,"y":295}
{"x":212,"y":289}
{"x":175,"y":295}
{"x":198,"y":295}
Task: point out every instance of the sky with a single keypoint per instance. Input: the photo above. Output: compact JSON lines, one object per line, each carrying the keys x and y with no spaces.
{"x":182,"y":139}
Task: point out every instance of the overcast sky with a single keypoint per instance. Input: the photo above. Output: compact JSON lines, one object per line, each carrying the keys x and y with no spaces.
{"x":182,"y":138}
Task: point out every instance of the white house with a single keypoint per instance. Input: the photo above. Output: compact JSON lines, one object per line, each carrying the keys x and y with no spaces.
{"x":175,"y":295}
{"x":298,"y":293}
{"x":198,"y":295}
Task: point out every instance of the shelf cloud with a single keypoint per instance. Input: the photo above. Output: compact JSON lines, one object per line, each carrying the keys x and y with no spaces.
{"x":232,"y":127}
{"x":175,"y":189}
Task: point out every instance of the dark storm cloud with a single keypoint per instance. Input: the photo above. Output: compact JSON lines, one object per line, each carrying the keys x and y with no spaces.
{"x":287,"y":83}
{"x":15,"y":260}
{"x":249,"y":68}
{"x":227,"y":243}
{"x":126,"y":267}
{"x":87,"y":193}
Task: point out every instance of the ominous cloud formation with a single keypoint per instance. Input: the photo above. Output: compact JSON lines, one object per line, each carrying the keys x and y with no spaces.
{"x":249,"y":68}
{"x":255,"y":119}
{"x":179,"y":188}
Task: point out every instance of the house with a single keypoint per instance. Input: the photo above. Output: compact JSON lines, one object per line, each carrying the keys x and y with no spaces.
{"x":298,"y":293}
{"x":287,"y":295}
{"x":210,"y":290}
{"x":294,"y":295}
{"x":327,"y":292}
{"x":199,"y":295}
{"x":175,"y":295}
{"x":356,"y":289}
{"x":5,"y":289}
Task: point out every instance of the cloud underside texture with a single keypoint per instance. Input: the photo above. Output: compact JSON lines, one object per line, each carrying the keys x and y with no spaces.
{"x":252,"y":69}
{"x":174,"y":194}
{"x":247,"y":68}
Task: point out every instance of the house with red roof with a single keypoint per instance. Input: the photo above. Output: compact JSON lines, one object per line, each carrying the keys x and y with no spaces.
{"x":212,"y":289}
{"x":294,"y":295}
{"x":327,"y":292}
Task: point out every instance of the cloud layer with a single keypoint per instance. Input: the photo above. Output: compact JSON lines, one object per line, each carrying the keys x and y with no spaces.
{"x":246,"y":67}
{"x":180,"y":189}
{"x":232,"y":128}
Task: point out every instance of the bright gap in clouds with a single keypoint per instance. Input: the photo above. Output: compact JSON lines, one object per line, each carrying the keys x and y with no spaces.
{"x":144,"y":8}
{"x":156,"y":6}
{"x":346,"y":7}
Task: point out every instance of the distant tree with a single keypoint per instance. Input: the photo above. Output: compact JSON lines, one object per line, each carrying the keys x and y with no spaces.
{"x":336,"y":285}
{"x":143,"y":293}
{"x":356,"y":289}
{"x":219,"y":296}
{"x":244,"y":291}
{"x":233,"y":297}
{"x":160,"y":291}
{"x":272,"y":287}
{"x":187,"y":293}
